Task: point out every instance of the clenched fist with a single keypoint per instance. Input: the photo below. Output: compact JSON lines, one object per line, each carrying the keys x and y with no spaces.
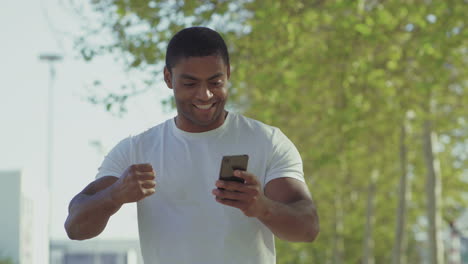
{"x":136,"y":183}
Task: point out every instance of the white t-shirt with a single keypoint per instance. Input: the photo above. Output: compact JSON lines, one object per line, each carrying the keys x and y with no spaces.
{"x":182,"y":222}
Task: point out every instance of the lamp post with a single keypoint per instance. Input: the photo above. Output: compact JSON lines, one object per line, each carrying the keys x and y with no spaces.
{"x":51,"y":59}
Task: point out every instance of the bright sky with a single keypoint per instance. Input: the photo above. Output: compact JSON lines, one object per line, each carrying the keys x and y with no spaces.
{"x":24,"y":81}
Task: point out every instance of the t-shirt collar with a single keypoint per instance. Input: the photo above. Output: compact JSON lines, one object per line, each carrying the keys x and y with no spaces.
{"x":201,"y":135}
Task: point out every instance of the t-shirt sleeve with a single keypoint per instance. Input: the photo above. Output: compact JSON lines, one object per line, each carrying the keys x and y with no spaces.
{"x":285,"y":160}
{"x":117,"y":160}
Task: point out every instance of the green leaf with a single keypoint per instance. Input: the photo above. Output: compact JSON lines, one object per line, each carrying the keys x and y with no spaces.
{"x":363,"y":29}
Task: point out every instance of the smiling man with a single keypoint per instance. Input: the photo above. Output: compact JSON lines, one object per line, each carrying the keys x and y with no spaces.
{"x":185,"y":213}
{"x":199,"y":85}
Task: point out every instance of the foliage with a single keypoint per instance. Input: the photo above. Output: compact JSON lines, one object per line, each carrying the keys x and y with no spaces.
{"x":339,"y":78}
{"x":6,"y":261}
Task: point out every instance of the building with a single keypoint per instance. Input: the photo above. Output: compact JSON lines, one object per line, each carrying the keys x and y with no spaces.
{"x":23,"y":220}
{"x":95,"y":251}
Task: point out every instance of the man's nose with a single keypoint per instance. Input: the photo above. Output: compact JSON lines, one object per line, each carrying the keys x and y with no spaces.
{"x":204,"y":93}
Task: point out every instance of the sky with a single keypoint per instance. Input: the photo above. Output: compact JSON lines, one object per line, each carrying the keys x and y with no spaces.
{"x":24,"y":81}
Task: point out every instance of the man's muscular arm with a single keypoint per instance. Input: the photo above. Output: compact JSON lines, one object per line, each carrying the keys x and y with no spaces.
{"x":285,"y":206}
{"x":90,"y":210}
{"x":290,"y":211}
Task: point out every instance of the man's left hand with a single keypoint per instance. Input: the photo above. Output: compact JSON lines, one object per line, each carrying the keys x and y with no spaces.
{"x":247,"y":196}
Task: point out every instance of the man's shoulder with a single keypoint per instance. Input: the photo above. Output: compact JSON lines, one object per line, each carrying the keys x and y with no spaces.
{"x":153,"y":132}
{"x":249,"y":124}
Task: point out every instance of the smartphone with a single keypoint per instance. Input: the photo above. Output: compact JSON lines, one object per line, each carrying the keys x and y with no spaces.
{"x":231,"y":163}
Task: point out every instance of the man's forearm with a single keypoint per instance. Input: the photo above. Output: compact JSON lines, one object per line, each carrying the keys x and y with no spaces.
{"x":297,"y":222}
{"x":89,"y":214}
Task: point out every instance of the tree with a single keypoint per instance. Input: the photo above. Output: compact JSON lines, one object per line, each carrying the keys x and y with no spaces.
{"x":351,"y":83}
{"x":6,"y":261}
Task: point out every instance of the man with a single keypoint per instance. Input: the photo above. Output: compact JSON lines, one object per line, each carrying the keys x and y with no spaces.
{"x":185,"y":213}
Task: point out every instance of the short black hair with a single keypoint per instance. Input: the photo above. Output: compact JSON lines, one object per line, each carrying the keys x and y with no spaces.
{"x":195,"y":42}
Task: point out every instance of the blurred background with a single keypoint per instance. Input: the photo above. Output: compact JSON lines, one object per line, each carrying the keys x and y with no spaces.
{"x":373,"y":93}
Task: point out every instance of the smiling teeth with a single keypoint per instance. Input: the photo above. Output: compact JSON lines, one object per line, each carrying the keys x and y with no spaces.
{"x":204,"y":107}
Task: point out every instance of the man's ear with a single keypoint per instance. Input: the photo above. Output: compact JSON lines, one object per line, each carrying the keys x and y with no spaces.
{"x":168,"y":77}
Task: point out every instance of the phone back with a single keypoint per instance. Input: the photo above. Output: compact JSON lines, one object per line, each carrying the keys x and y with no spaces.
{"x":231,"y":163}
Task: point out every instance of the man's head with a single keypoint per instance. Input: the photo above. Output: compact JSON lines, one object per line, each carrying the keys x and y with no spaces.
{"x":197,"y":69}
{"x":195,"y":42}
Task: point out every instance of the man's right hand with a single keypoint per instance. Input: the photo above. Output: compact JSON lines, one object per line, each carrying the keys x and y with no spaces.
{"x":136,"y":183}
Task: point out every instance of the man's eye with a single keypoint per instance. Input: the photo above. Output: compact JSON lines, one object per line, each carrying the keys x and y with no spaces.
{"x":189,"y":84}
{"x":218,"y":83}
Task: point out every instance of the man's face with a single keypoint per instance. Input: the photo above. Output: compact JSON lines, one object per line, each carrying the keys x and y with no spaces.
{"x":200,"y":91}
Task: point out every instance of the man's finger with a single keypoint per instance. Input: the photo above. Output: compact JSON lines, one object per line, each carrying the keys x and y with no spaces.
{"x":142,"y":176}
{"x":231,"y":195}
{"x":248,"y":177}
{"x":229,"y":185}
{"x":148,"y":184}
{"x":236,"y":204}
{"x":237,"y":187}
{"x":144,"y":167}
{"x":148,"y":192}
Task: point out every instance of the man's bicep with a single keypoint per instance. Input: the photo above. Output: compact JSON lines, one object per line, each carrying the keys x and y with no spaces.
{"x":287,"y":190}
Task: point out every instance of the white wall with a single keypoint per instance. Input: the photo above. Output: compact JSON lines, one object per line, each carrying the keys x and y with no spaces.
{"x":24,"y":232}
{"x":96,"y":246}
{"x":10,"y":210}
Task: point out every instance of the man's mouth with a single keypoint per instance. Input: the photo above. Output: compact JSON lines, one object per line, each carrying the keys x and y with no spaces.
{"x":204,"y":106}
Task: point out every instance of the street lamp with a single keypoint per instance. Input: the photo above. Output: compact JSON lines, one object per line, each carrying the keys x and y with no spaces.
{"x":51,"y":59}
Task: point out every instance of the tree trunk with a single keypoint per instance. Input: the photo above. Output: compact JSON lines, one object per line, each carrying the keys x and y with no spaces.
{"x":433,"y":196}
{"x":338,"y":256}
{"x":368,"y":253}
{"x":398,"y":257}
{"x":454,"y":255}
{"x":338,"y":240}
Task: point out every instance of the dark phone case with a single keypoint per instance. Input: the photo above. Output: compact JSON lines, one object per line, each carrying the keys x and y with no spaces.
{"x":231,"y":163}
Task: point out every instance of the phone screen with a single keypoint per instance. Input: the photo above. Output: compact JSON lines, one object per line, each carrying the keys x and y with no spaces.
{"x":231,"y":163}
